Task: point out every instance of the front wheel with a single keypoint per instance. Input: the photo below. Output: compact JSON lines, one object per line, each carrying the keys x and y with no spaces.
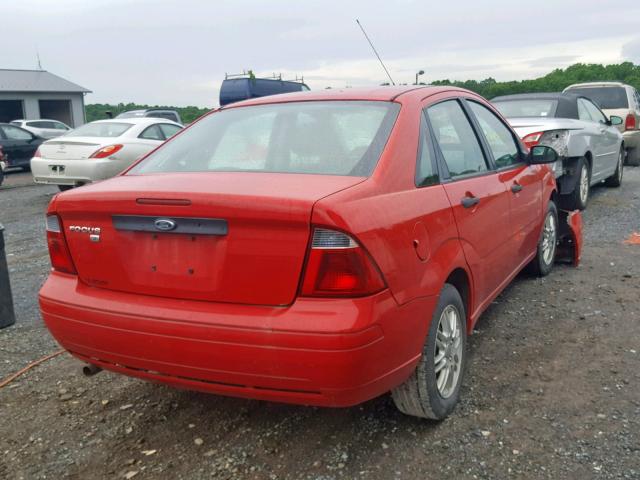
{"x":433,"y":389}
{"x":542,"y":264}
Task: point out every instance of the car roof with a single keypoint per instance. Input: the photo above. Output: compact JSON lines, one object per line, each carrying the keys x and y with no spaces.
{"x":596,"y":84}
{"x":383,"y":93}
{"x":137,"y":120}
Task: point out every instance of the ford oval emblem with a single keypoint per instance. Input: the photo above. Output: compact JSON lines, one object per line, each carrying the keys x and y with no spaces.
{"x":165,"y":224}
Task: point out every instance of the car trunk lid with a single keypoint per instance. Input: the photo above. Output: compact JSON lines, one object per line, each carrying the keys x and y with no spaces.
{"x":237,"y":238}
{"x":77,"y":149}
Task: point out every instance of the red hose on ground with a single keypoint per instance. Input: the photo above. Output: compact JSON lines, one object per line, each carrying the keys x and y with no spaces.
{"x":12,"y":377}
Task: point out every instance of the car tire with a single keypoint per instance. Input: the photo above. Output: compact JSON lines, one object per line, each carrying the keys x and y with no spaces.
{"x":579,"y":197}
{"x":427,"y":393}
{"x":633,"y":157}
{"x":542,"y":264}
{"x":1,"y":175}
{"x":615,"y":180}
{"x":64,"y":188}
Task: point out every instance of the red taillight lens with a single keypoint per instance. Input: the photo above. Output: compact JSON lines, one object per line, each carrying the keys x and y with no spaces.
{"x":338,"y":267}
{"x":37,"y":154}
{"x":532,"y":139}
{"x":58,"y":250}
{"x":106,"y":151}
{"x":630,"y":122}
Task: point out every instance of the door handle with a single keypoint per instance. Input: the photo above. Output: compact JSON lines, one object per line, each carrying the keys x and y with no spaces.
{"x":468,"y":202}
{"x":516,"y":187}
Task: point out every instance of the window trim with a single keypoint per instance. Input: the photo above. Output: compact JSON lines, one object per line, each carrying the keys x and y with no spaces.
{"x":487,"y":146}
{"x":425,"y":129}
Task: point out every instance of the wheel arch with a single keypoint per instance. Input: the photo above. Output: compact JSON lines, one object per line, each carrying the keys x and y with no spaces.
{"x":460,"y":279}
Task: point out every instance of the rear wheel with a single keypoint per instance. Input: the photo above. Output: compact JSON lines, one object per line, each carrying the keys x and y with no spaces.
{"x":633,"y":157}
{"x":433,"y":389}
{"x":64,"y":188}
{"x":542,"y":264}
{"x":615,"y":180}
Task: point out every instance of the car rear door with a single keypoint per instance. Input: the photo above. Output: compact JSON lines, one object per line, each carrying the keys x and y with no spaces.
{"x":522,"y":181}
{"x":477,"y":195}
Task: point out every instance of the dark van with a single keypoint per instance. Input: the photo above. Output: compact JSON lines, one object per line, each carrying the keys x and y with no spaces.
{"x":236,"y":89}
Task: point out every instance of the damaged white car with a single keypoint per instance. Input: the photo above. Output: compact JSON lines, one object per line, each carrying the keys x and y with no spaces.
{"x":590,"y":147}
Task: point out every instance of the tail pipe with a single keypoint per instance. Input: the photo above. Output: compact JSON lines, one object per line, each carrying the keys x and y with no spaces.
{"x":90,"y":370}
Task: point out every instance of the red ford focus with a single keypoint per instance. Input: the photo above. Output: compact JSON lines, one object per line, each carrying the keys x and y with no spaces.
{"x":314,"y":248}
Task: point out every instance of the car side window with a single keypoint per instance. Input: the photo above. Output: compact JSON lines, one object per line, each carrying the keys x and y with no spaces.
{"x":499,"y":137}
{"x":426,"y":173}
{"x":15,"y":133}
{"x":152,"y":133}
{"x":169,"y":130}
{"x":583,"y":111}
{"x":59,"y":126}
{"x":595,"y":112}
{"x":456,"y":139}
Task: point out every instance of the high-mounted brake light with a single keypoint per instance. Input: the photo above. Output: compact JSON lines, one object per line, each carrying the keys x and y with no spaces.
{"x":58,"y":250}
{"x":106,"y":151}
{"x":630,"y":122}
{"x":338,"y":267}
{"x":532,"y":139}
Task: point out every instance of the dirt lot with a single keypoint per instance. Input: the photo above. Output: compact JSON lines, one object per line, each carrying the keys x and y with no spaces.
{"x":552,"y":390}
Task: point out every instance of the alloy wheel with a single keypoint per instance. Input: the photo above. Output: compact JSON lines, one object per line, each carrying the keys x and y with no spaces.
{"x":549,"y":237}
{"x":584,"y":185}
{"x":448,"y":351}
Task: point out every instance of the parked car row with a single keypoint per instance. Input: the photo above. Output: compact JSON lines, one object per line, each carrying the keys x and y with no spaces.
{"x":319,"y":248}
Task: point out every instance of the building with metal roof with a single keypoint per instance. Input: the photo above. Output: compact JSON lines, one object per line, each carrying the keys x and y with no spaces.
{"x":35,"y":94}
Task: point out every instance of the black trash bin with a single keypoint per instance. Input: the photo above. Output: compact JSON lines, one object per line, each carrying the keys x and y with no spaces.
{"x":7,"y":315}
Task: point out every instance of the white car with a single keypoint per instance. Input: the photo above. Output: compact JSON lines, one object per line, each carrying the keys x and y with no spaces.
{"x":43,"y":127}
{"x":98,"y":150}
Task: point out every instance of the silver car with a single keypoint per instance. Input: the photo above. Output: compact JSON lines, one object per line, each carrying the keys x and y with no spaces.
{"x":590,"y":147}
{"x":43,"y":127}
{"x":98,"y":150}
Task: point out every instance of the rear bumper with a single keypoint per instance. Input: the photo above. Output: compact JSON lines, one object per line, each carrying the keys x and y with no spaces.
{"x":631,"y":138}
{"x":317,"y":351}
{"x":73,"y":172}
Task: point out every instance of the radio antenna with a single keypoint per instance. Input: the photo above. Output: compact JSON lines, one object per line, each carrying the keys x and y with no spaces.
{"x":375,"y":51}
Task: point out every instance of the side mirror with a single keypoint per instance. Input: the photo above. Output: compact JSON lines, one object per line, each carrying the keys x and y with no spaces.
{"x":542,"y":154}
{"x":615,"y":120}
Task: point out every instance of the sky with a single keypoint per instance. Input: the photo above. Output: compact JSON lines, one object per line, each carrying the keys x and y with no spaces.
{"x":170,"y":52}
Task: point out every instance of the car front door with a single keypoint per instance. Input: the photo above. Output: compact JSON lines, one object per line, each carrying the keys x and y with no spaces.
{"x":522,"y":181}
{"x":478,"y":197}
{"x":605,"y":160}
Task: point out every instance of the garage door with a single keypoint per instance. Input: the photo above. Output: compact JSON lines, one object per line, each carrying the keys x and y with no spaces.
{"x":11,"y":110}
{"x":56,"y":110}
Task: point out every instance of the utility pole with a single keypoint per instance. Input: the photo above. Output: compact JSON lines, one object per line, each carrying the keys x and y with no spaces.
{"x":420,"y":72}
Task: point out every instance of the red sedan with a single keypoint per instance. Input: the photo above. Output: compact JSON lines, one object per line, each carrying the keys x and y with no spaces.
{"x":319,"y":248}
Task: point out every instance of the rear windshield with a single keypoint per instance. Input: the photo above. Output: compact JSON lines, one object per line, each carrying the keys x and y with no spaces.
{"x":132,"y":114}
{"x":331,"y":138}
{"x":100,"y":129}
{"x":527,"y":108}
{"x":605,"y":97}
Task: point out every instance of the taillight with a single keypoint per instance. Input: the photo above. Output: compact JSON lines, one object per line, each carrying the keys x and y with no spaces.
{"x":37,"y":154}
{"x":106,"y":151}
{"x":532,"y":139}
{"x":58,"y":250}
{"x":630,"y":122}
{"x":338,"y":267}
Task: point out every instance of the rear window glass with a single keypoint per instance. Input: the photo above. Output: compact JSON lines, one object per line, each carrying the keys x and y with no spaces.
{"x":527,"y":108}
{"x":331,"y":138}
{"x":605,"y":97}
{"x":100,"y":129}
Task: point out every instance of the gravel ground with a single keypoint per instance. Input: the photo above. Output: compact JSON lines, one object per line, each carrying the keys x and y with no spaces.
{"x":552,"y":389}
